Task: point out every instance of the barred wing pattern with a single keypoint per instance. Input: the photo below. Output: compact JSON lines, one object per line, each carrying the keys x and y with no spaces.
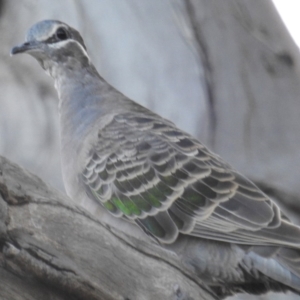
{"x":148,"y":171}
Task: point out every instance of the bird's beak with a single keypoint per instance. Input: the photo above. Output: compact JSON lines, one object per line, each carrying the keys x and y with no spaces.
{"x":26,"y":47}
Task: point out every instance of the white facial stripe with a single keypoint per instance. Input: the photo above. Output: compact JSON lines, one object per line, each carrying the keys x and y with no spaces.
{"x":62,"y":44}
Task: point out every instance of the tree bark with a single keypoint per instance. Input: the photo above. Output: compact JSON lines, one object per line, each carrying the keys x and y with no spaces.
{"x":51,"y":249}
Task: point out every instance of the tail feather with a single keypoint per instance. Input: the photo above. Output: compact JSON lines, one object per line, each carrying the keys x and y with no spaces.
{"x":283,"y":266}
{"x":290,"y":258}
{"x":230,"y":268}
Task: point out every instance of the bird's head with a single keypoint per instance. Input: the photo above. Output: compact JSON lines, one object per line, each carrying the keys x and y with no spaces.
{"x":54,"y":43}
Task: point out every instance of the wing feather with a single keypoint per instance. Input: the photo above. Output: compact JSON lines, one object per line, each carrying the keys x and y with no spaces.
{"x":145,"y":169}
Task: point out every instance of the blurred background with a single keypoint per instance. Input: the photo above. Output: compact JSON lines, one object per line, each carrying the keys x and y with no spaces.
{"x":225,"y":71}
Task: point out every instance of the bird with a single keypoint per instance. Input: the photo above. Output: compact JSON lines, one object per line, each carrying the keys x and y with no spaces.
{"x":139,"y":173}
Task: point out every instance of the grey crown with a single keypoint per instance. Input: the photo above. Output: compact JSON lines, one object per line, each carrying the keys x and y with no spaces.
{"x":141,"y":174}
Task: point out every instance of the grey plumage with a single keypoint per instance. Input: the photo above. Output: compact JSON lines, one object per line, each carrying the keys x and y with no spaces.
{"x":136,"y":170}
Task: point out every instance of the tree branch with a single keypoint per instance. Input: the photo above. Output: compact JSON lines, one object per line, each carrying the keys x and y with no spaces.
{"x":53,"y":247}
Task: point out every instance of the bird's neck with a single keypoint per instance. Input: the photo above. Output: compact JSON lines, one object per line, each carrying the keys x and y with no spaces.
{"x":81,"y":92}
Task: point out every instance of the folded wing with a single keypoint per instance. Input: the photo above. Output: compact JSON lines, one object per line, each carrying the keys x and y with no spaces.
{"x":147,"y":171}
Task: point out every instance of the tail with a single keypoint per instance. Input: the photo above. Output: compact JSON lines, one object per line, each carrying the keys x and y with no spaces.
{"x":230,"y":268}
{"x":278,"y":269}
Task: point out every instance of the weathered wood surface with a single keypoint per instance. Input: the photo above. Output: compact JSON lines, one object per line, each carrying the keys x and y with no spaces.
{"x":51,"y":249}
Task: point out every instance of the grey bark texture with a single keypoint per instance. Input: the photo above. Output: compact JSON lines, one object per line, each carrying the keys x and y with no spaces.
{"x":52,"y":249}
{"x":226,"y":71}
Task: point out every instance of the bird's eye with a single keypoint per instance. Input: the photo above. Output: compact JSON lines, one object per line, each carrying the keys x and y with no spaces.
{"x":61,"y":34}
